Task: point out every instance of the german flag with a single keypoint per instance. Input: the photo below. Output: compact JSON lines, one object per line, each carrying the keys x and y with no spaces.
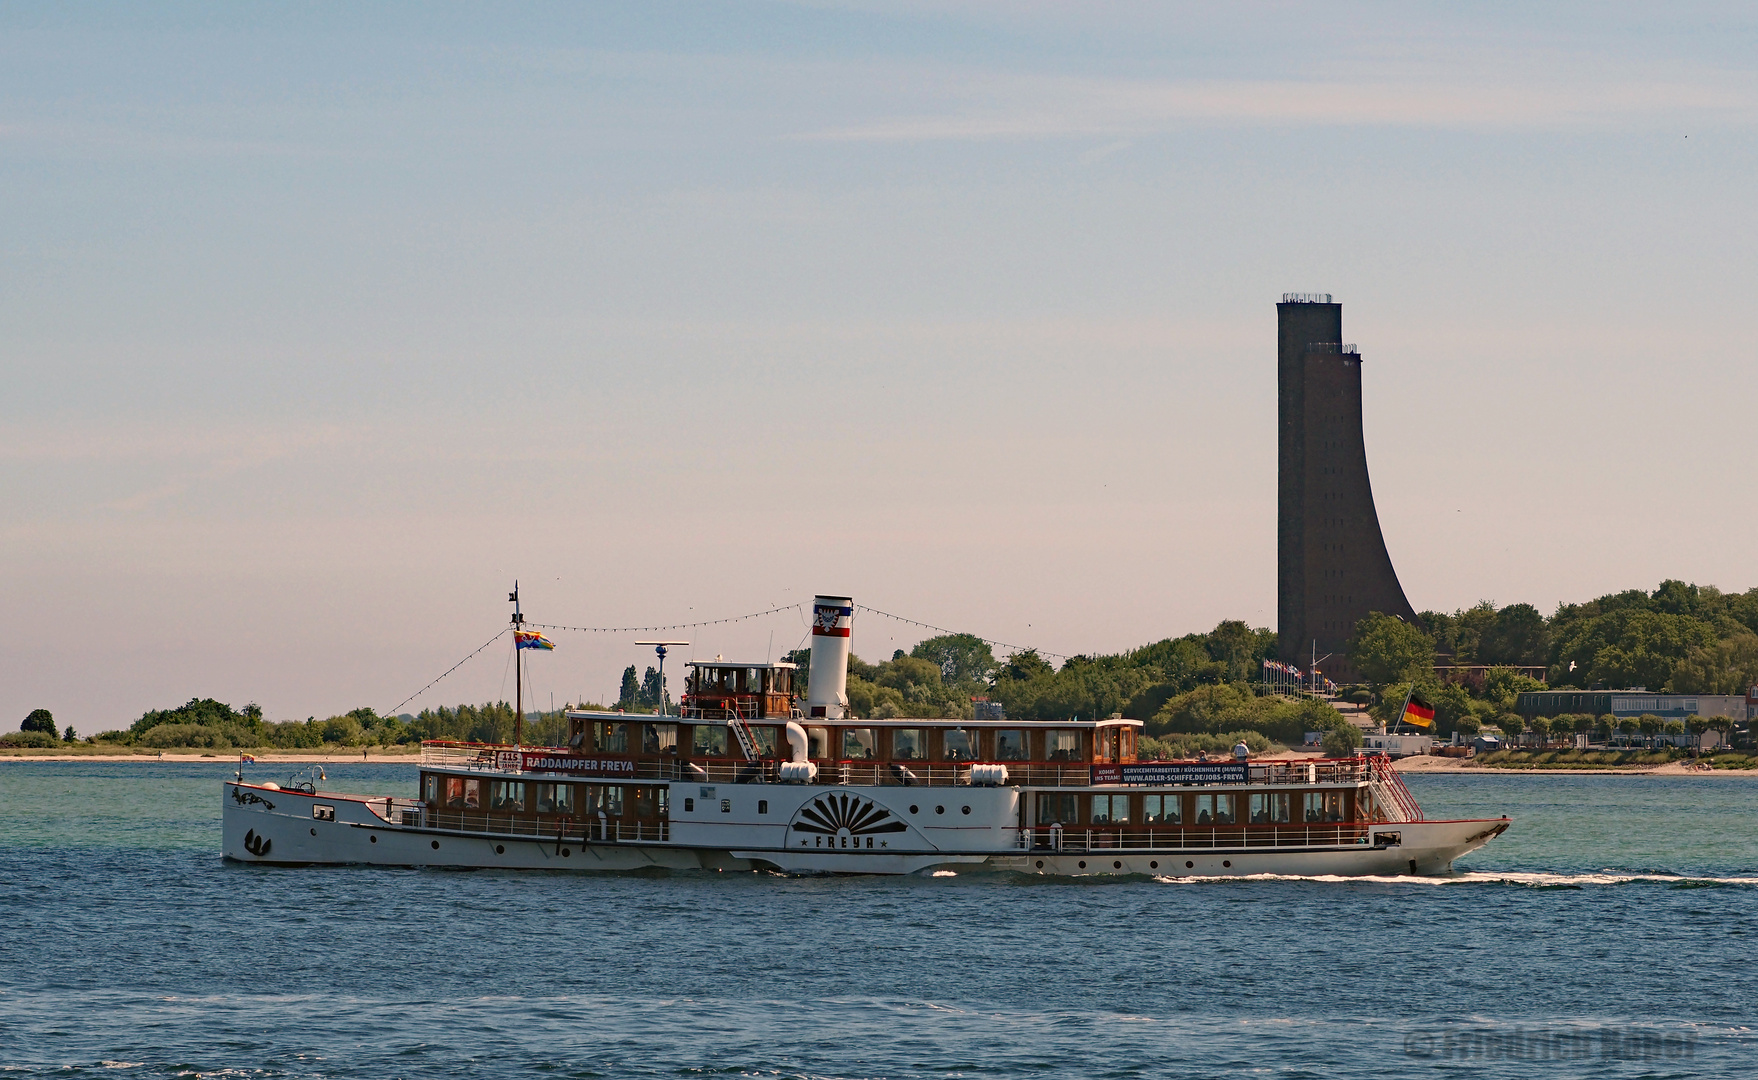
{"x":1418,"y":712}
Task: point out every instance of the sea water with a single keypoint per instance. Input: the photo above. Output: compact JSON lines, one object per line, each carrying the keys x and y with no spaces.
{"x":1609,"y":932}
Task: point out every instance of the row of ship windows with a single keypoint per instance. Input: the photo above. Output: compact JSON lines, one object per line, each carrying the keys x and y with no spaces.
{"x":864,"y":743}
{"x":566,"y":800}
{"x":1214,"y":808}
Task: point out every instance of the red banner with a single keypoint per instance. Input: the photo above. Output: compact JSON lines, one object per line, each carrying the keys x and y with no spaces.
{"x":576,"y":766}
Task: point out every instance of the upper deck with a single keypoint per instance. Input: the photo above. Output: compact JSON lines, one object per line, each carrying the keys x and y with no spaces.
{"x":891,"y":752}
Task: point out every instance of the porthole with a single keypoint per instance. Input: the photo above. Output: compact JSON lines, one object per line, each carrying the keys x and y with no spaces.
{"x":1153,"y":866}
{"x":436,"y":845}
{"x":1083,"y":864}
{"x":314,"y":832}
{"x":940,"y":809}
{"x":1189,"y":865}
{"x":1226,"y":862}
{"x":1116,"y":866}
{"x":1040,"y":864}
{"x":500,"y":849}
{"x":914,"y":809}
{"x":967,"y":809}
{"x":373,"y":839}
{"x":567,"y":853}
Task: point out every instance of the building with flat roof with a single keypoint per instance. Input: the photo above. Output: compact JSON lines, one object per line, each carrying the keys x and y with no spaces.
{"x":1622,"y":704}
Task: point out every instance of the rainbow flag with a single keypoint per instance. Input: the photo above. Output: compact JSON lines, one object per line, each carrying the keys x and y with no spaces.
{"x":531,"y":639}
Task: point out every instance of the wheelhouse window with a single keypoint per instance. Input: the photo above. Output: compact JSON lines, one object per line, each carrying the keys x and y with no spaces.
{"x":1162,"y":809}
{"x":817,"y":742}
{"x":462,"y":794}
{"x":555,"y":799}
{"x":659,"y":738}
{"x":857,"y":743}
{"x":1011,"y":744}
{"x":1324,"y":806}
{"x":1214,"y":809}
{"x":960,"y":744}
{"x":1062,"y":744}
{"x":649,"y":802}
{"x":1107,"y":744}
{"x":507,"y":796}
{"x":709,"y":741}
{"x":907,"y":744}
{"x":1269,"y":808}
{"x":612,"y":738}
{"x":431,"y":788}
{"x":1056,"y":809}
{"x":1110,"y":810}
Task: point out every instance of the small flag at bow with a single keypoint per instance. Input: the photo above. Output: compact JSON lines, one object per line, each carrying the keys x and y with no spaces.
{"x":531,"y":639}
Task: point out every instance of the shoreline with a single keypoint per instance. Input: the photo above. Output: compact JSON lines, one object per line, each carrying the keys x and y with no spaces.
{"x":1430,"y":764}
{"x":230,"y":757}
{"x":399,"y":755}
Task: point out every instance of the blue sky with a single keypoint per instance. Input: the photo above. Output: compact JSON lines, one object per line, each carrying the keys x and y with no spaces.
{"x":321,"y":324}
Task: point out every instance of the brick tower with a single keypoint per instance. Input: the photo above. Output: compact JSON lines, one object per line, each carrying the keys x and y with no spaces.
{"x":1332,"y":565}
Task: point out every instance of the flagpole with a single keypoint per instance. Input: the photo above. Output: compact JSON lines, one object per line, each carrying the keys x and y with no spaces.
{"x":518,"y":673}
{"x":1408,"y":694}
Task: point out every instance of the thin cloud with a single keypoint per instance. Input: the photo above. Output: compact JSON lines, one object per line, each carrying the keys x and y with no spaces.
{"x":1053,"y":108}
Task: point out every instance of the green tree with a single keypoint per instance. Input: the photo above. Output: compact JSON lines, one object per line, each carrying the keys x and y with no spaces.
{"x":961,"y":658}
{"x":1388,"y":650}
{"x":1024,"y":666}
{"x":1503,"y":687}
{"x":1540,"y":726}
{"x":1341,"y":741}
{"x":70,"y":735}
{"x":1728,"y":666}
{"x":1517,"y":635}
{"x":38,"y":720}
{"x":629,"y":696}
{"x":1649,"y":725}
{"x":1511,"y":724}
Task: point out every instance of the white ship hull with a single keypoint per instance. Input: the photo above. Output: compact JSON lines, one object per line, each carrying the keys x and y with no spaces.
{"x":808,"y":829}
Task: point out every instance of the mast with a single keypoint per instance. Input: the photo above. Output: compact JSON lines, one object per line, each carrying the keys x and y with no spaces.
{"x":518,"y":671}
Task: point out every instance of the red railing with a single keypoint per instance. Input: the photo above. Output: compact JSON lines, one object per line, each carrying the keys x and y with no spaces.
{"x":1391,"y":788}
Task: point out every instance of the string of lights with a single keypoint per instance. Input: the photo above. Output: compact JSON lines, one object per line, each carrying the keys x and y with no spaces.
{"x":443,"y":674}
{"x":943,"y":630}
{"x":655,"y":629}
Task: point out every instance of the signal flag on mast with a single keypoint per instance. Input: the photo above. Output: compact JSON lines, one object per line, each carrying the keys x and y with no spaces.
{"x":531,"y":639}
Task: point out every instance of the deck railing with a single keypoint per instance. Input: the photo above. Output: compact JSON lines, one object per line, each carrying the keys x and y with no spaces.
{"x":908,"y":773}
{"x":570,"y":832}
{"x":1099,"y":838}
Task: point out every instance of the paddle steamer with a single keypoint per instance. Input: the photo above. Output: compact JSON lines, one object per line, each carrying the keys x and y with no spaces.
{"x":743,"y":778}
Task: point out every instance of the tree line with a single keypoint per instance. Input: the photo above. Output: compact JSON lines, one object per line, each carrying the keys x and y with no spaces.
{"x":1680,"y":638}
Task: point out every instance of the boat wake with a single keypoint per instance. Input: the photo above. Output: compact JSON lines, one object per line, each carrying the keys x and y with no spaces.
{"x":1528,"y":880}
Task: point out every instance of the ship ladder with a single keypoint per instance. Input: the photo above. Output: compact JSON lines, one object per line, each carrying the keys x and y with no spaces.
{"x":741,"y":731}
{"x":1392,"y":791}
